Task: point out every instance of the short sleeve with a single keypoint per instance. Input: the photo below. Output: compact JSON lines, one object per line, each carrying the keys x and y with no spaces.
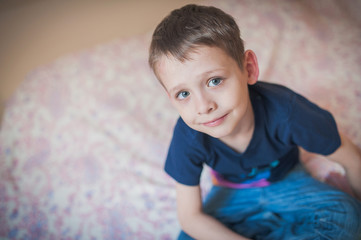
{"x":185,"y":158}
{"x":312,"y":127}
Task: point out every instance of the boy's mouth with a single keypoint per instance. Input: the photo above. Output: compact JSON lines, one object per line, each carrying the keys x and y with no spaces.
{"x":215,"y":122}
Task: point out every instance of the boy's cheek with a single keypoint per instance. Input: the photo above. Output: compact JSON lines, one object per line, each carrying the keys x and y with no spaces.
{"x":181,"y":111}
{"x":185,"y":116}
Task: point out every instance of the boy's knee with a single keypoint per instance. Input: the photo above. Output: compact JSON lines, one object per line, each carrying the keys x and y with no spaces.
{"x":352,"y":208}
{"x":347,"y":219}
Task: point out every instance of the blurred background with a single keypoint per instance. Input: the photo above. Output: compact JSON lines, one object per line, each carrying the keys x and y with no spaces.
{"x":35,"y":32}
{"x":86,"y":126}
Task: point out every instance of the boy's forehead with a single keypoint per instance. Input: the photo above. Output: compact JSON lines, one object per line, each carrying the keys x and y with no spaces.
{"x":160,"y":67}
{"x":165,"y":63}
{"x":168,"y":63}
{"x":194,"y":56}
{"x":199,"y":63}
{"x":169,"y":60}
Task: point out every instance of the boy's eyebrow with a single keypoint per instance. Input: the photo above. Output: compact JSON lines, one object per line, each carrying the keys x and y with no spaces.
{"x":210,"y":72}
{"x":177,"y":88}
{"x":200,"y":76}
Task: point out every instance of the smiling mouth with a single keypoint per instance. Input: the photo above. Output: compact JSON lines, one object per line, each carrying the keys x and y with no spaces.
{"x":216,"y":122}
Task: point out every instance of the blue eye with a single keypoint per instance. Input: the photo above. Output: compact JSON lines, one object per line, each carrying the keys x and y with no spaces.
{"x":214,"y":82}
{"x":183,"y":95}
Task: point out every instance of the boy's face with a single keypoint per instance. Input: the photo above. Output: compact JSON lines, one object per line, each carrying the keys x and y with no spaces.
{"x":209,"y":91}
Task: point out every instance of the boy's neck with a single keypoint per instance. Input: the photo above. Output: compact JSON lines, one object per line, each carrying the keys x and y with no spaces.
{"x":240,"y":140}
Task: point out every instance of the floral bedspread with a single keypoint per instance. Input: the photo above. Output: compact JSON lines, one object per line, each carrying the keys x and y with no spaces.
{"x":84,"y":138}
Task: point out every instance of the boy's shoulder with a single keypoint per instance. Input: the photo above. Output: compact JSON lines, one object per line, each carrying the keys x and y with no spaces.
{"x":276,"y":100}
{"x":281,"y":108}
{"x":272,"y":92}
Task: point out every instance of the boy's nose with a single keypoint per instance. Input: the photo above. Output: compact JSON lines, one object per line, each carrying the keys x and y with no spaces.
{"x":205,"y":105}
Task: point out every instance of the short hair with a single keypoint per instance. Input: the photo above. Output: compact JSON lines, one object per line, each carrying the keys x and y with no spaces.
{"x":191,"y":26}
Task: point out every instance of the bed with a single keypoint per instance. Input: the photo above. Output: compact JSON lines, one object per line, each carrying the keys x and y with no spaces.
{"x":84,"y":138}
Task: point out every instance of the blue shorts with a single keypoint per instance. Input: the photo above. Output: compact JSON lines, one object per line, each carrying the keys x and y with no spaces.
{"x":297,"y":207}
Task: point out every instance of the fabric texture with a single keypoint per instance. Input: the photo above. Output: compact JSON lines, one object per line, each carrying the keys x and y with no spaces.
{"x":297,"y":207}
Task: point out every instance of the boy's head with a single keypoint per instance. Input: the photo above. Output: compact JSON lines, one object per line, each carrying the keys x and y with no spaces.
{"x":198,"y":56}
{"x":192,"y":26}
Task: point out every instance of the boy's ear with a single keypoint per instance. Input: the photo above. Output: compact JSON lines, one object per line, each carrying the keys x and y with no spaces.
{"x":251,"y":66}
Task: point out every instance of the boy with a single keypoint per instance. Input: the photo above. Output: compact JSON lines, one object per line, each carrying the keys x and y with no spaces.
{"x":248,"y":132}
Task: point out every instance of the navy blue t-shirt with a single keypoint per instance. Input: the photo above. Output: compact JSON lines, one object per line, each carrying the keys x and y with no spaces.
{"x":283,"y":121}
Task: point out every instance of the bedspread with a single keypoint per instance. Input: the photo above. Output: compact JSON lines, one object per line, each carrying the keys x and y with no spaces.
{"x":84,"y":138}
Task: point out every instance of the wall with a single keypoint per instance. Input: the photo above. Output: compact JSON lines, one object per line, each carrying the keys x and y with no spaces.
{"x":34,"y":32}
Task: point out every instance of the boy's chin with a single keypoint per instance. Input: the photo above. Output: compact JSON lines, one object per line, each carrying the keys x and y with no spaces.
{"x":215,"y":133}
{"x":221,"y":131}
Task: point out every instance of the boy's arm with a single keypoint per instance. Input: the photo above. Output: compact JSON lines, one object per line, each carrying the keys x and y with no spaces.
{"x":192,"y":219}
{"x":349,"y":156}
